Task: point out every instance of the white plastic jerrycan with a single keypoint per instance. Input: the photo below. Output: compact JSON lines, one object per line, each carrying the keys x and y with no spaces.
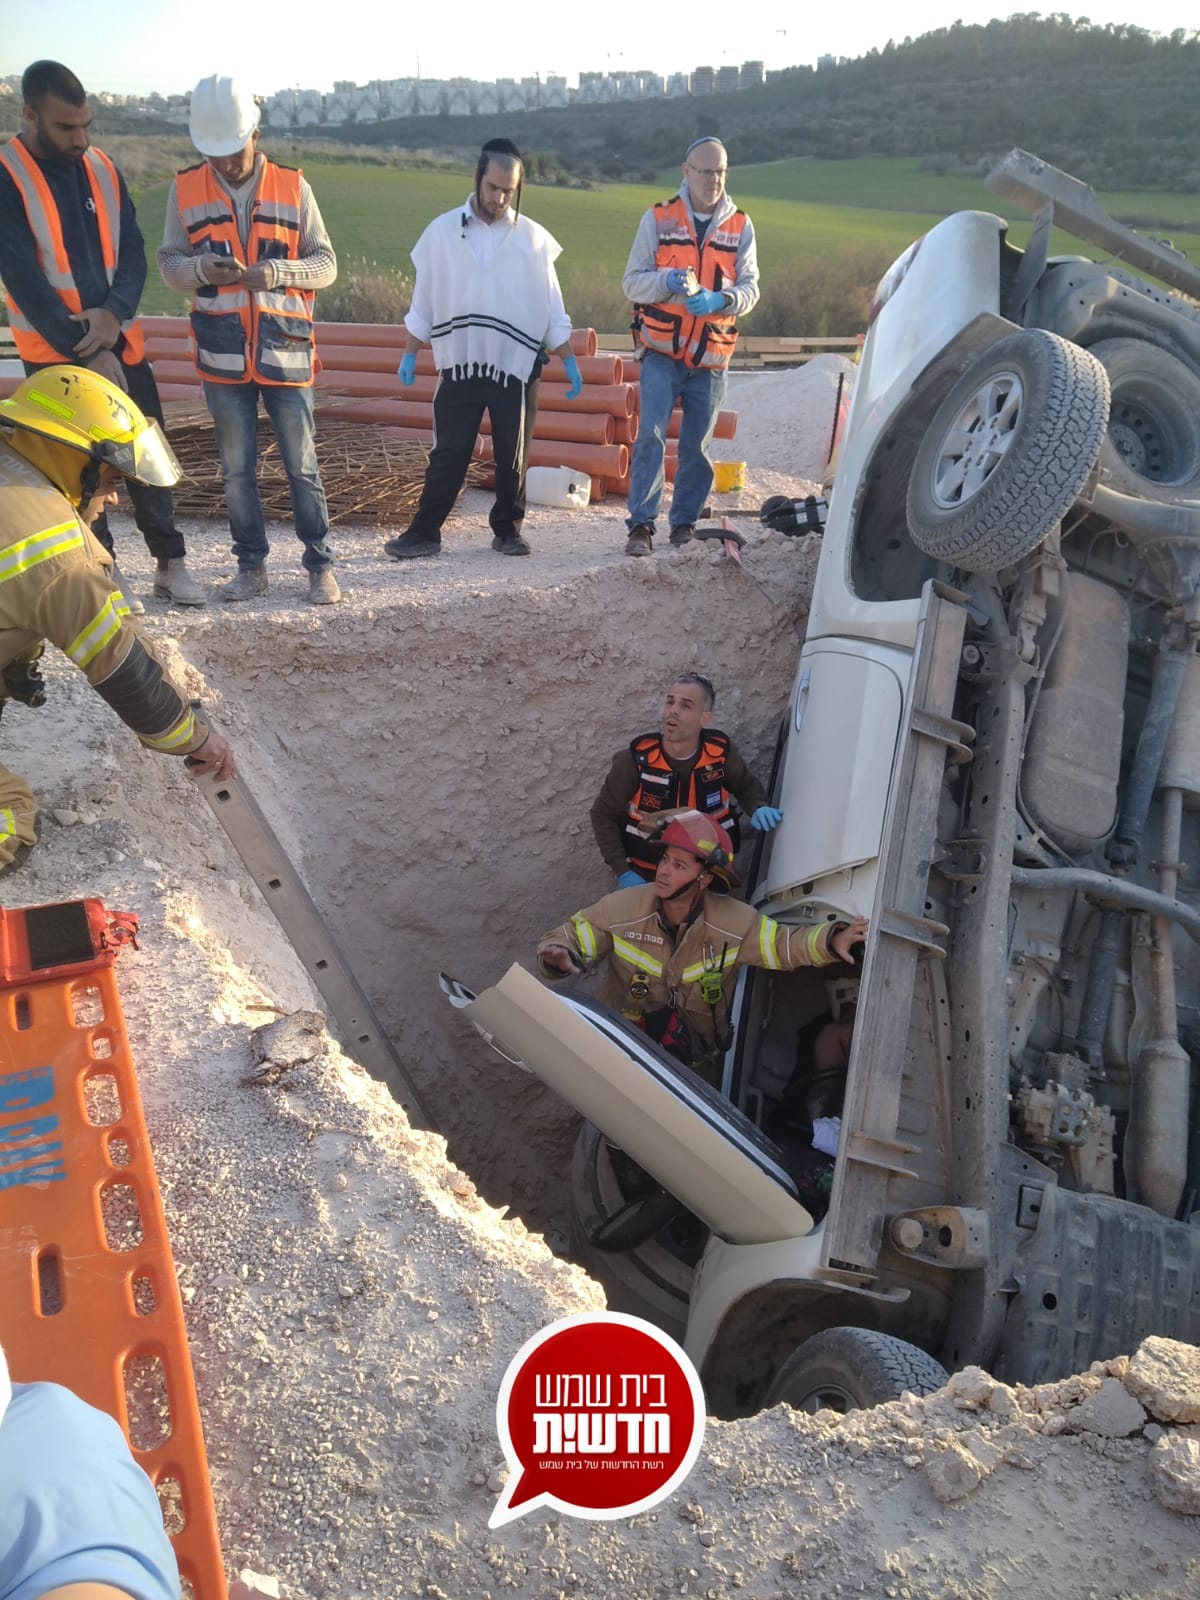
{"x":558,"y":486}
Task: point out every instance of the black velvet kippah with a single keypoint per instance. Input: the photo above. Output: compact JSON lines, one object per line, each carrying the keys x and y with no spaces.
{"x":501,"y":147}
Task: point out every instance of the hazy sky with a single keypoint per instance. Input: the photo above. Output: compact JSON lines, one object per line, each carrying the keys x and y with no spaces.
{"x":140,"y":45}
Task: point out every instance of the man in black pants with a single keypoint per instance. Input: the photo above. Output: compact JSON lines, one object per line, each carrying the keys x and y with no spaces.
{"x":486,"y":297}
{"x":73,"y":263}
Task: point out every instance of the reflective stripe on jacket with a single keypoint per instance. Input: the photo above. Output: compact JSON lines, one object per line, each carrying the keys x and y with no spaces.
{"x":56,"y":585}
{"x":241,"y":335}
{"x":659,"y":789}
{"x":669,"y":327}
{"x":645,"y":974}
{"x":45,"y":224}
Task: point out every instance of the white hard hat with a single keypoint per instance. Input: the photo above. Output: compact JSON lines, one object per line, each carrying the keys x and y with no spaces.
{"x":222,"y":117}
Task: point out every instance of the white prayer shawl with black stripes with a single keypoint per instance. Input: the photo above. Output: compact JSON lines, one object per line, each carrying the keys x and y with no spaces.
{"x":488,"y":322}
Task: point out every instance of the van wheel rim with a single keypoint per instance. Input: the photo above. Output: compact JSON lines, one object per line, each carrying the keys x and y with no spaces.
{"x":978,"y":440}
{"x":828,"y":1397}
{"x":1138,"y":438}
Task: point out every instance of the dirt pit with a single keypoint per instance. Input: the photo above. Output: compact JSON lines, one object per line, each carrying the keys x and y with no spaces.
{"x":428,"y":751}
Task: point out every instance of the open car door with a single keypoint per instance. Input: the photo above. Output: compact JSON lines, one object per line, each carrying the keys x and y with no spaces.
{"x":690,"y":1138}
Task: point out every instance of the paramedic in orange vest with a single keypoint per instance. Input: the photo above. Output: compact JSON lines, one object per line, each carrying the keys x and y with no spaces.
{"x":73,"y":263}
{"x":243,"y":236}
{"x":687,"y":764}
{"x":693,"y":269}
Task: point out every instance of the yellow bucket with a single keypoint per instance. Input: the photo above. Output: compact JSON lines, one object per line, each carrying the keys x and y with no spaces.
{"x":729,"y":475}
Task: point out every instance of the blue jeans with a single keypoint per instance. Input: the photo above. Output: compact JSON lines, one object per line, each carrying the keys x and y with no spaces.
{"x":234,"y":410}
{"x":701,"y":391}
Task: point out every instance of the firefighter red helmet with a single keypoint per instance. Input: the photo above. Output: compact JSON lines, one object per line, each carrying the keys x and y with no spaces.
{"x":703,"y":838}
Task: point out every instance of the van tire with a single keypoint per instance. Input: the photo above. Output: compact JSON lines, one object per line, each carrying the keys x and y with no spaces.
{"x":1152,"y":447}
{"x":1008,"y":452}
{"x":852,"y":1369}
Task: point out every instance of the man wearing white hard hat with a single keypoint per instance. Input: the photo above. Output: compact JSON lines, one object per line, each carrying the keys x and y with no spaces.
{"x":244,"y":237}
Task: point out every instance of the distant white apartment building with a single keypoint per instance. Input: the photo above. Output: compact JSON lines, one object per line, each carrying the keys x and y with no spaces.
{"x":384,"y":98}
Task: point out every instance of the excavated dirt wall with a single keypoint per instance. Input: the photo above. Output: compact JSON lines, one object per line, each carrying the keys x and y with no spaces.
{"x":434,"y":758}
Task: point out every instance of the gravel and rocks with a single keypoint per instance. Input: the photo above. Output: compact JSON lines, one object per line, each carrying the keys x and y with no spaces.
{"x":1165,"y":1376}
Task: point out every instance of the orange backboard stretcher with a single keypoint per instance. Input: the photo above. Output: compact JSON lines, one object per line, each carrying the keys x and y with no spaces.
{"x":88,"y":1295}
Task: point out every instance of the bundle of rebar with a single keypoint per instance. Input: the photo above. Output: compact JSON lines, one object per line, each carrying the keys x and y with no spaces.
{"x":370,"y":475}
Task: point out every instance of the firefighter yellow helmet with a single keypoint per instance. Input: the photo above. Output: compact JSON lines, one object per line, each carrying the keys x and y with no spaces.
{"x":74,"y":409}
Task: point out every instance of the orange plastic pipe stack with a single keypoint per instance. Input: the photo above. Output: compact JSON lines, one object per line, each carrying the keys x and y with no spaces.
{"x":359,"y":361}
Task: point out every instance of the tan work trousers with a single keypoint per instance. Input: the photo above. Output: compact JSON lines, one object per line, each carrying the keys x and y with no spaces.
{"x":18,"y":812}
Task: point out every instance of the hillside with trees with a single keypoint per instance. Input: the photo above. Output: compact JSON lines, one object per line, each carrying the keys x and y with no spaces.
{"x":1115,"y":105}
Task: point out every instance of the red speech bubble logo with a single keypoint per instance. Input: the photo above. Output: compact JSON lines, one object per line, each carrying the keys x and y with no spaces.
{"x":600,"y":1415}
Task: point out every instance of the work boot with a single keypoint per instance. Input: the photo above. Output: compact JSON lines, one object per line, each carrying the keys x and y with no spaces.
{"x":409,"y":546}
{"x":640,"y":541}
{"x":249,"y":582}
{"x":19,"y":857}
{"x":510,"y":544}
{"x":683,"y":533}
{"x":131,"y":600}
{"x":173,"y":581}
{"x":323,"y":588}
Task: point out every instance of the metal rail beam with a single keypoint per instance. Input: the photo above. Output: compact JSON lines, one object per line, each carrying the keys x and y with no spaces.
{"x":363,"y":1036}
{"x":1030,"y":182}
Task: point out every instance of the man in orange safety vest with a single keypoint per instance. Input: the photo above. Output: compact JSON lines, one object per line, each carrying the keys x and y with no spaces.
{"x":692,"y":271}
{"x":73,"y":263}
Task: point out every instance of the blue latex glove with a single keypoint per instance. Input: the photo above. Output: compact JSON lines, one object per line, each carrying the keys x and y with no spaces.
{"x":631,"y":880}
{"x":574,"y":377}
{"x":407,"y":369}
{"x":676,"y":280}
{"x":704,"y":302}
{"x":766,"y":818}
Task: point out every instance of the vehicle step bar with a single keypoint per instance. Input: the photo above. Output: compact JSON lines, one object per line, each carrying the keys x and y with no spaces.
{"x":902,"y":933}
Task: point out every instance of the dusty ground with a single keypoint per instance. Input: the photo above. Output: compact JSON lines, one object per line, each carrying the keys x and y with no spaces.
{"x":428,"y":751}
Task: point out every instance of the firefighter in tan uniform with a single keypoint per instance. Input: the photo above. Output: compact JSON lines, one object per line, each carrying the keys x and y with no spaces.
{"x":67,"y":436}
{"x":674,"y":949}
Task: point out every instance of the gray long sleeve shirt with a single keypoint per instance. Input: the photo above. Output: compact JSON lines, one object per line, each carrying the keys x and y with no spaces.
{"x":646,"y":284}
{"x":316,"y":267}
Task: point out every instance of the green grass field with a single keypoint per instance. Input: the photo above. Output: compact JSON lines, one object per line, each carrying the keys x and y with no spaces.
{"x":799,"y":208}
{"x":901,"y":183}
